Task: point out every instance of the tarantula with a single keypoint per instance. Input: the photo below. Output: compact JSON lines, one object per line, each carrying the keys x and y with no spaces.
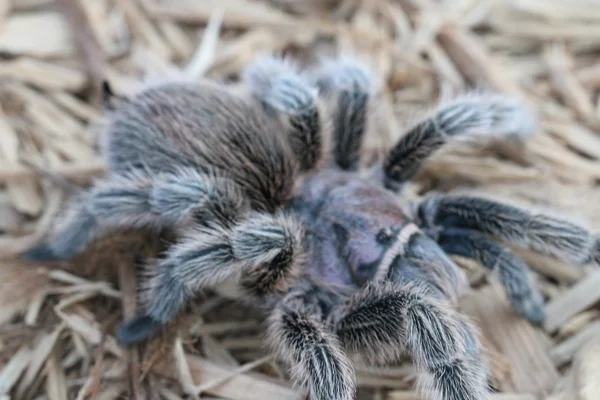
{"x":261,"y":184}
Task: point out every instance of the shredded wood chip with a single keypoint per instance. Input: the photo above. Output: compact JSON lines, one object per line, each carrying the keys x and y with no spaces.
{"x":58,"y":321}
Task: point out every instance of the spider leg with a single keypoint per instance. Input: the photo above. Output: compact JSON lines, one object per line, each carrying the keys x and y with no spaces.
{"x":514,"y":274}
{"x":286,"y":94}
{"x":464,"y":117}
{"x":350,"y":91}
{"x":260,"y":253}
{"x":299,"y":337}
{"x":543,"y":233}
{"x":139,"y":199}
{"x":383,"y":319}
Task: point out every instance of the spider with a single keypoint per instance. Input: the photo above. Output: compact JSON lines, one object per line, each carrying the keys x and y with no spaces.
{"x":261,"y":184}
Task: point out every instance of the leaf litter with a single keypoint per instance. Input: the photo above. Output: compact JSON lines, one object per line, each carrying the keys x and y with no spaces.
{"x":57,"y":321}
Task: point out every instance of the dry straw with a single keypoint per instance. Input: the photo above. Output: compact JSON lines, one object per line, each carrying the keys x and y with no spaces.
{"x":57,"y":321}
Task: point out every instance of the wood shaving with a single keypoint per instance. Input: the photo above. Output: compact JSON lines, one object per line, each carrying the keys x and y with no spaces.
{"x":58,"y":321}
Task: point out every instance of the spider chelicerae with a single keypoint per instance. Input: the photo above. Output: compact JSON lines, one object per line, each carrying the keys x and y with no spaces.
{"x":263,"y":188}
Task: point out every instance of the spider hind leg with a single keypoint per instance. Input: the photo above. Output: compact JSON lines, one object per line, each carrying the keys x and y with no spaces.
{"x":137,"y":329}
{"x":78,"y":232}
{"x":514,"y":274}
{"x":138,"y":199}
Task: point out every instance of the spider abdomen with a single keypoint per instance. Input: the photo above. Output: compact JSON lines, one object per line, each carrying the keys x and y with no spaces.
{"x":155,"y":131}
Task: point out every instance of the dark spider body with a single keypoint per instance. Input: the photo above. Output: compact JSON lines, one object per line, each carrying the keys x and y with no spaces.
{"x":356,"y":232}
{"x":264,"y":193}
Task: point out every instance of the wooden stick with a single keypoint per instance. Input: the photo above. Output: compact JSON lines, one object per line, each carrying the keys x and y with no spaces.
{"x":565,"y":351}
{"x":563,"y":80}
{"x":578,"y":298}
{"x":74,"y":171}
{"x":86,"y":44}
{"x":246,"y":386}
{"x":143,"y":28}
{"x":589,"y":77}
{"x":587,"y":370}
{"x":551,"y":267}
{"x":244,"y":368}
{"x":467,"y":53}
{"x":97,"y":370}
{"x":127,"y":283}
{"x":524,"y":346}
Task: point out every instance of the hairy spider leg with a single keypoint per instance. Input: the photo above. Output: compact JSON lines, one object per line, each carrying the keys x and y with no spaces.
{"x":140,"y":199}
{"x":409,"y":309}
{"x":349,"y":89}
{"x":260,"y":253}
{"x":286,"y":94}
{"x":163,"y":147}
{"x":548,"y":235}
{"x":386,"y":318}
{"x":461,"y":225}
{"x":514,"y":273}
{"x":299,"y":336}
{"x":464,"y":117}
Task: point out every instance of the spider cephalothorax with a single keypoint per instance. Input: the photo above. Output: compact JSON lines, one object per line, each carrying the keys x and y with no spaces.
{"x":262,"y":188}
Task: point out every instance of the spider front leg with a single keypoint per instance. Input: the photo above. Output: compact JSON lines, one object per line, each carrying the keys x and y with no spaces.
{"x":260,"y":253}
{"x":143,"y":200}
{"x":461,"y":223}
{"x":464,"y":117}
{"x":543,"y":233}
{"x":353,"y":98}
{"x":301,"y":338}
{"x":384,"y":319}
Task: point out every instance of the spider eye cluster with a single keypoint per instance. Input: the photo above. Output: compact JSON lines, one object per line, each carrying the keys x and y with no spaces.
{"x":385,"y":235}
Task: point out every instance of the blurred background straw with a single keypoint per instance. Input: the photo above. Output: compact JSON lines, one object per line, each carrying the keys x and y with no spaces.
{"x":57,"y":321}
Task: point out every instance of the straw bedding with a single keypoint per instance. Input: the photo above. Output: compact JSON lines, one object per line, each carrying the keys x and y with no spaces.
{"x":57,"y":321}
